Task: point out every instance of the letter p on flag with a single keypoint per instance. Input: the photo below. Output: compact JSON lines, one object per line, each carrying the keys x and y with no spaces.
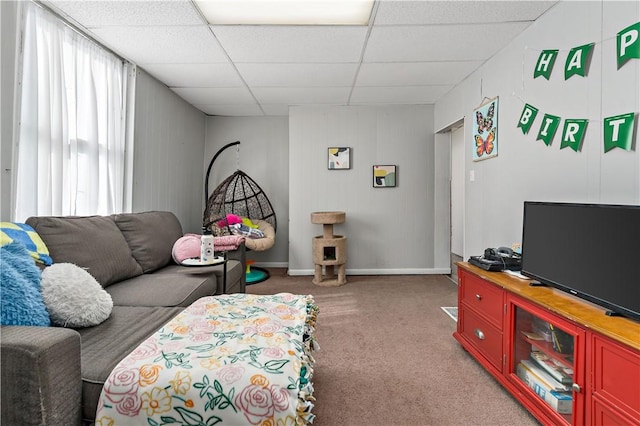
{"x":628,"y":44}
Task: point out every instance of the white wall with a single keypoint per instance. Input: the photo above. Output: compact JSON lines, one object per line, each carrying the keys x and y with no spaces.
{"x":8,"y":27}
{"x":169,"y":139}
{"x":388,"y":230}
{"x":526,"y":169}
{"x":264,"y":157}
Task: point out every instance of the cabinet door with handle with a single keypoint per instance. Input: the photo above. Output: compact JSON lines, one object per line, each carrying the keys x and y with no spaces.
{"x":545,"y":361}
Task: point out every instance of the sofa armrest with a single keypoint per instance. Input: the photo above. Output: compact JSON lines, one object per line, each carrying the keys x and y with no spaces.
{"x":40,"y":376}
{"x":240,"y":254}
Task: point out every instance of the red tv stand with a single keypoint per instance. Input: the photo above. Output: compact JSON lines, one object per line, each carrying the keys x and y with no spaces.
{"x":502,"y":321}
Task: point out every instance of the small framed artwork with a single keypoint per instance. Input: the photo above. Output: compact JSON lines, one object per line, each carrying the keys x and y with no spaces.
{"x":384,"y":176}
{"x":339,"y":158}
{"x":485,"y":130}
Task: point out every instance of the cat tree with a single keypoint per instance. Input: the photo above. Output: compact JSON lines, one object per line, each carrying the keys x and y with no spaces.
{"x":329,"y":250}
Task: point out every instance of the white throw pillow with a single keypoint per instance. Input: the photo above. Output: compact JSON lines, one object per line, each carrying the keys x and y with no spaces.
{"x":73,"y":297}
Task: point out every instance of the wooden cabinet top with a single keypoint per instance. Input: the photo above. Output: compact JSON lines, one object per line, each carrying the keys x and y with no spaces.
{"x":581,"y":312}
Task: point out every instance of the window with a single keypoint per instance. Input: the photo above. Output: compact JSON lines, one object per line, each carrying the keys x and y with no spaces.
{"x":72,"y":137}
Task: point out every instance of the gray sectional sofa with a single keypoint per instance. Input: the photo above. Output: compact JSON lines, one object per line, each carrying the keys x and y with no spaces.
{"x":54,"y":375}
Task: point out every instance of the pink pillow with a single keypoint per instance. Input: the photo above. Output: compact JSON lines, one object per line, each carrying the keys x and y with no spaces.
{"x":186,"y":247}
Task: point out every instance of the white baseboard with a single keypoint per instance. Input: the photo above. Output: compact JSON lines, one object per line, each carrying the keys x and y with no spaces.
{"x":272,"y":264}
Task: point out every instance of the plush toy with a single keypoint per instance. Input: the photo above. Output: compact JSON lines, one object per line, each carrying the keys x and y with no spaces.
{"x":246,"y":221}
{"x":230,"y":219}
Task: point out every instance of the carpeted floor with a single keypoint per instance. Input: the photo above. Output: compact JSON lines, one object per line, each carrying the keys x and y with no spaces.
{"x":388,"y":357}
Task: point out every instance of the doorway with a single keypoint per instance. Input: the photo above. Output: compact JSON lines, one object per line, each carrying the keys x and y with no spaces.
{"x":457,"y":196}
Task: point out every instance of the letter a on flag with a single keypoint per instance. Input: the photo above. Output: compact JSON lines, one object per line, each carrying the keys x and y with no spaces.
{"x":578,"y":61}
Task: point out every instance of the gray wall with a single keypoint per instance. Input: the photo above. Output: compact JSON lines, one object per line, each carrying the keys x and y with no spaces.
{"x":389,"y":230}
{"x":8,"y":22}
{"x":169,"y":137}
{"x":264,"y":156}
{"x":526,"y":169}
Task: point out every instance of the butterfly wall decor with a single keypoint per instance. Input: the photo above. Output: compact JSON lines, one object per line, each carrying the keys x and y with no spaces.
{"x":485,"y":130}
{"x":485,"y":123}
{"x":485,"y":145}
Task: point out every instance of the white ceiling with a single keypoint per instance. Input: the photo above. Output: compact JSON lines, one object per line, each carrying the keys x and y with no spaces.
{"x":412,"y":52}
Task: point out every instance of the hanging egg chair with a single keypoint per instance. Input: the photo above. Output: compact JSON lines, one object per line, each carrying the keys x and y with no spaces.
{"x":240,"y":195}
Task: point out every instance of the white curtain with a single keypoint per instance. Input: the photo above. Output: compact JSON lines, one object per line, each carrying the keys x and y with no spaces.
{"x":71,"y":147}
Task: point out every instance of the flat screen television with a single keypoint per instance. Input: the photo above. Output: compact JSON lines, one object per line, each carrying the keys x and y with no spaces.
{"x":591,"y":251}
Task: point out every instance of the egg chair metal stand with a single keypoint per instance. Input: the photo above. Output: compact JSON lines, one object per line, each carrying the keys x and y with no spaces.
{"x":240,"y":195}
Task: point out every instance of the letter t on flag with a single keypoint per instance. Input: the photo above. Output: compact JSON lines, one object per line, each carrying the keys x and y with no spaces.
{"x":628,"y":44}
{"x":618,"y":131}
{"x":544,"y":66}
{"x":526,"y":118}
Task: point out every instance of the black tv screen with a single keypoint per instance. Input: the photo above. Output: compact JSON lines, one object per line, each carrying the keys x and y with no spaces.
{"x":589,"y":250}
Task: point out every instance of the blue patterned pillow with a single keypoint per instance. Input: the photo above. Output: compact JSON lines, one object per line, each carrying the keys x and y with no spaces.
{"x":21,"y":302}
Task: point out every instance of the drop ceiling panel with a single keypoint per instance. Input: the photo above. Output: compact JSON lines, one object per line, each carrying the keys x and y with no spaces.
{"x":440,"y":42}
{"x":298,"y":75}
{"x":301,"y":96}
{"x":273,"y":44}
{"x":163,"y":45}
{"x":276,"y":109}
{"x":458,"y":12}
{"x":412,"y":53}
{"x":195,"y":75}
{"x":414,"y":73}
{"x":244,"y":110}
{"x":398,"y":95}
{"x":124,"y":13}
{"x":215,"y":96}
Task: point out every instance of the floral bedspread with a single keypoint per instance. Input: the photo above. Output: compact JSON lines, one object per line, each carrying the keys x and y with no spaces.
{"x":236,"y":359}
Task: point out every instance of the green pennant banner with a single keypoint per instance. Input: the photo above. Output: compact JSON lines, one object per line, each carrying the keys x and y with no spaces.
{"x":544,"y":66}
{"x":548,"y":128}
{"x":628,"y":44}
{"x":578,"y":61}
{"x":618,"y":131}
{"x":573,"y":133}
{"x":526,"y":118}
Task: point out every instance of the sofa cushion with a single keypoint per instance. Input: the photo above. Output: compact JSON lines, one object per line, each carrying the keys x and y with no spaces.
{"x":150,"y":236}
{"x":91,"y":242}
{"x":163,"y":288}
{"x":104,"y":346}
{"x":73,"y":297}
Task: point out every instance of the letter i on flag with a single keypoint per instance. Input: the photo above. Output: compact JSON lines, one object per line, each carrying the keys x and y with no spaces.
{"x":526,"y":118}
{"x":618,"y":131}
{"x":548,"y":128}
{"x":628,"y":44}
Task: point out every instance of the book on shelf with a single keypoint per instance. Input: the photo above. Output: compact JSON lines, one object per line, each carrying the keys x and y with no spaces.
{"x":561,"y":402}
{"x":545,"y":377}
{"x":555,"y":368}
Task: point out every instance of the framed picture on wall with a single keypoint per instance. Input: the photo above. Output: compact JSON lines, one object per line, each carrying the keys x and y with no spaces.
{"x":384,"y":176}
{"x":485,"y":130}
{"x":339,"y":158}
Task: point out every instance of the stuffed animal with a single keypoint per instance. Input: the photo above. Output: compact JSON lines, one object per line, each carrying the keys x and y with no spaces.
{"x":230,"y":219}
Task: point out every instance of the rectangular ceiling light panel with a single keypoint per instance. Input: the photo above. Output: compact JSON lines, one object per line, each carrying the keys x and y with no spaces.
{"x":286,"y":12}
